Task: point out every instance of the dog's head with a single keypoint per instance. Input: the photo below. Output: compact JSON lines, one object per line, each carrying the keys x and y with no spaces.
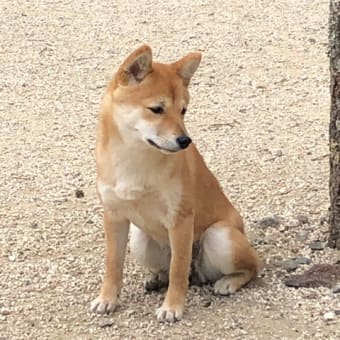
{"x":151,"y":99}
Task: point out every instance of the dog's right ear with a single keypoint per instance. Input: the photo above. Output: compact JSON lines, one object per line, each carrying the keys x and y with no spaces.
{"x":136,"y":66}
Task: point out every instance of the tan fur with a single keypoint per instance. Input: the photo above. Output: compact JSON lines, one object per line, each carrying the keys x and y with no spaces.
{"x":171,"y":196}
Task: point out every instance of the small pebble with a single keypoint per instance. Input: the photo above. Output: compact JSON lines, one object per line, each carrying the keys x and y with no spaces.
{"x":80,"y":193}
{"x":303,"y":219}
{"x":302,"y":237}
{"x":323,"y":220}
{"x":283,"y":228}
{"x":206,"y":303}
{"x":268,"y":239}
{"x":336,"y":288}
{"x":289,"y":265}
{"x":5,"y":312}
{"x":11,"y":258}
{"x":130,"y":312}
{"x":317,"y":245}
{"x":105,"y":323}
{"x":269,"y":222}
{"x":303,"y":260}
{"x":329,"y":316}
{"x":284,"y":191}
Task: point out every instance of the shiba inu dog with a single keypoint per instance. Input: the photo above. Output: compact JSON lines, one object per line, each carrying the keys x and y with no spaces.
{"x":153,"y":181}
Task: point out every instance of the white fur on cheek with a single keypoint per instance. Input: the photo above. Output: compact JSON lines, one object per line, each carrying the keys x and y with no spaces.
{"x":127,"y":119}
{"x":146,"y":129}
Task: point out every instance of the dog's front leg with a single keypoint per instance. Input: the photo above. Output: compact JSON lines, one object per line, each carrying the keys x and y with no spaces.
{"x":116,"y":235}
{"x":181,"y":238}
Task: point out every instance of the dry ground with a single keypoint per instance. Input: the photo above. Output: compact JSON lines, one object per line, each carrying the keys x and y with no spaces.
{"x":259,"y":115}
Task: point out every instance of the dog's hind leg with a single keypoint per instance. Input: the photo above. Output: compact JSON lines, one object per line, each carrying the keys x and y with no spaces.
{"x":226,"y":258}
{"x":152,"y":256}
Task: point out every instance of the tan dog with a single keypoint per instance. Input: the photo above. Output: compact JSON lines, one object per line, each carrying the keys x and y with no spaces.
{"x":151,"y":175}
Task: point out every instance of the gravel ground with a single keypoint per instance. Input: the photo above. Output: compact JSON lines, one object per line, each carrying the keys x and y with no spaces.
{"x":259,"y":114}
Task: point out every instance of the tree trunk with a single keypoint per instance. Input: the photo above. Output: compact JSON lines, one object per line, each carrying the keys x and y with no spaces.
{"x":334,"y":127}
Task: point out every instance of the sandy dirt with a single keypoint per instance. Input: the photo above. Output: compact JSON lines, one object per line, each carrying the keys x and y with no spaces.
{"x":259,"y":115}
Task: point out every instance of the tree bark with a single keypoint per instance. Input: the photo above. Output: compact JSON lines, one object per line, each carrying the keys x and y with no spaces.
{"x":334,"y":127}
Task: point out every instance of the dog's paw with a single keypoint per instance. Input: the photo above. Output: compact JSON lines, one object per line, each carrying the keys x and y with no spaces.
{"x":102,"y":306}
{"x":169,"y":314}
{"x":226,"y":286}
{"x":155,"y":282}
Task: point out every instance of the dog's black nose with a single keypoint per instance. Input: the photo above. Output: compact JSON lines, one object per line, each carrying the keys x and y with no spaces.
{"x":183,"y":141}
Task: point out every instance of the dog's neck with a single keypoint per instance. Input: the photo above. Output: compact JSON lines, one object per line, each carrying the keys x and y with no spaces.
{"x":139,"y":169}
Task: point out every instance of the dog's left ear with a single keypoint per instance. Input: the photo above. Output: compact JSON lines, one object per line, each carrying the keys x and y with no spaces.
{"x":136,"y":66}
{"x":187,"y":66}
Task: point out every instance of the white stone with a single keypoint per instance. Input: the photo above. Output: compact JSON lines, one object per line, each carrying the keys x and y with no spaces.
{"x":329,"y":316}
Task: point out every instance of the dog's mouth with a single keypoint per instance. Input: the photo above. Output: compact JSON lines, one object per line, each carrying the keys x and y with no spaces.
{"x":151,"y":142}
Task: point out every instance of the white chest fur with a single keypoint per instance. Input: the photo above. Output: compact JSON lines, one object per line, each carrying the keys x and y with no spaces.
{"x":143,"y":192}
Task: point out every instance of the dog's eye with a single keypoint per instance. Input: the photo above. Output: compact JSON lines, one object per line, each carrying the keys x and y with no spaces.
{"x":184,"y":110}
{"x":158,"y":110}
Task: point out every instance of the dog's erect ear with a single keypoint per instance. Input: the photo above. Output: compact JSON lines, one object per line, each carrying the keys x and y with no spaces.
{"x":136,"y":66}
{"x":187,"y":66}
